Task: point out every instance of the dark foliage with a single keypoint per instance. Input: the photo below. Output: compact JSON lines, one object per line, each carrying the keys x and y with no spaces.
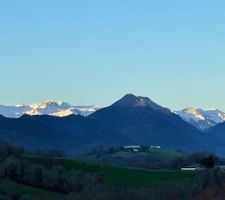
{"x":207,"y":162}
{"x":79,"y":185}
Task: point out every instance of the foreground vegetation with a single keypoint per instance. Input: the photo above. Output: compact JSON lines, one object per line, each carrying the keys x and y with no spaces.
{"x":47,"y":176}
{"x":12,"y":190}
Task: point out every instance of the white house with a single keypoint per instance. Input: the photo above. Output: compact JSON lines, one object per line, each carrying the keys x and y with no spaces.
{"x":133,"y":148}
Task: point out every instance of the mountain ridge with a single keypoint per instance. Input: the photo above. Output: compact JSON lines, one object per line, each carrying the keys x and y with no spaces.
{"x":199,"y":118}
{"x":130,"y":120}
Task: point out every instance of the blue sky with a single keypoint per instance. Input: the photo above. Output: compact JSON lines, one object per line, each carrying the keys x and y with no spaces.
{"x":94,"y":52}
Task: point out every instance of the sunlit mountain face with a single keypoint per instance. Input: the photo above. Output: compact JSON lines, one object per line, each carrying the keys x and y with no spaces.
{"x":50,"y":107}
{"x":202,"y":119}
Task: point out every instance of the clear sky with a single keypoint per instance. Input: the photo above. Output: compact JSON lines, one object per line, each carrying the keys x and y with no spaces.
{"x":94,"y":52}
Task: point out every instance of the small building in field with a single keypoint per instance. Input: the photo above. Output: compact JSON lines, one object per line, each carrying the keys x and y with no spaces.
{"x":132,"y":148}
{"x":188,"y":168}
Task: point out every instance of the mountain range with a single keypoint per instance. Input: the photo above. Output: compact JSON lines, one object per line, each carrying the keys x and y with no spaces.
{"x":201,"y":119}
{"x":130,"y":120}
{"x":50,"y":107}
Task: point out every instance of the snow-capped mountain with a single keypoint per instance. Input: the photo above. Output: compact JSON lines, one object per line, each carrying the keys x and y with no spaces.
{"x":55,"y":108}
{"x":202,"y":119}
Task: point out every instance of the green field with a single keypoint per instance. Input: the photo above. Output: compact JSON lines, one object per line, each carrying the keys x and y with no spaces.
{"x":127,"y":177}
{"x":156,"y":153}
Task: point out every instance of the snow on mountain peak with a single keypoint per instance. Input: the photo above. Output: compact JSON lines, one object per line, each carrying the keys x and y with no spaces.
{"x":192,"y":112}
{"x":50,"y":107}
{"x":50,"y":104}
{"x":202,"y":119}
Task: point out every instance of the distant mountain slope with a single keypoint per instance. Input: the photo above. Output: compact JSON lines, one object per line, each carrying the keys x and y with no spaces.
{"x":218,"y":131}
{"x":73,"y":134}
{"x":28,"y":133}
{"x":60,"y":109}
{"x":202,"y":119}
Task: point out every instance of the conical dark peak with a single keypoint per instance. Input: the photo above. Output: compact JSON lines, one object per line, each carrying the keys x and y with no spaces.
{"x":132,"y":100}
